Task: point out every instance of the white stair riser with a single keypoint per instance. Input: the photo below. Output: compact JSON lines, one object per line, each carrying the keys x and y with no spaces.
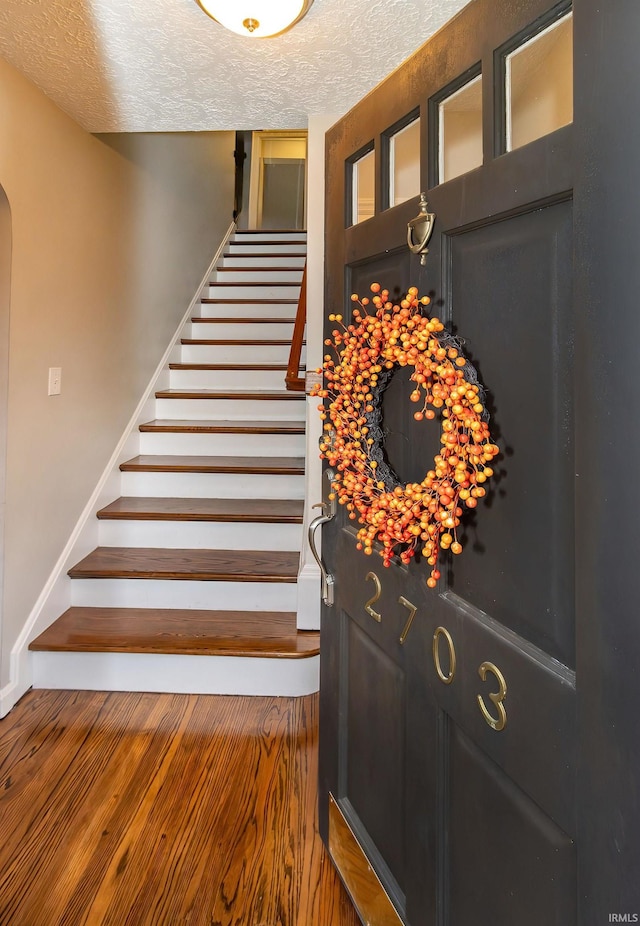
{"x":227,"y":379}
{"x":271,"y":445}
{"x":268,"y":247}
{"x":260,"y":275}
{"x":211,"y":485}
{"x":159,"y":672}
{"x":177,"y":593}
{"x":200,"y":535}
{"x":247,"y":310}
{"x":275,"y":260}
{"x":237,"y":353}
{"x":266,"y":291}
{"x":229,"y":330}
{"x":230,"y":409}
{"x":266,"y":235}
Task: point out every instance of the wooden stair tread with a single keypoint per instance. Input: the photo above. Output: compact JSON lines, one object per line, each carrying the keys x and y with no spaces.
{"x":183,"y":463}
{"x":270,"y":231}
{"x":191,"y":565}
{"x":275,"y":367}
{"x":258,"y":269}
{"x":229,"y":320}
{"x":262,"y":254}
{"x":261,"y":283}
{"x":228,"y":342}
{"x":252,"y":395}
{"x":252,"y":510}
{"x":181,"y":426}
{"x":230,"y":301}
{"x":183,"y":632}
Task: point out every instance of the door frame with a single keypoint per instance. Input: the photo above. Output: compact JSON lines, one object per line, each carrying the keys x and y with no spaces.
{"x":607,"y":281}
{"x":5,"y":297}
{"x":256,"y":181}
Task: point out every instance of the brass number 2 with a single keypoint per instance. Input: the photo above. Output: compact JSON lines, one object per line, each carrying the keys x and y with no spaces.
{"x":443,"y":632}
{"x":378,"y":591}
{"x":496,"y":697}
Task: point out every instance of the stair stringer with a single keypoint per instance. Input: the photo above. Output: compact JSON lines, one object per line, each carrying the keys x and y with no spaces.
{"x":55,"y":596}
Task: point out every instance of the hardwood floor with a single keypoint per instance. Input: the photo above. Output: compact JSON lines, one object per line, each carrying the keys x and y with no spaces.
{"x":158,"y":810}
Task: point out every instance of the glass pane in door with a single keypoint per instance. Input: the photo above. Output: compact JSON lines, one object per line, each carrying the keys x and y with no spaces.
{"x":404,"y":163}
{"x":460,"y":131}
{"x":539,"y":84}
{"x":363,"y":187}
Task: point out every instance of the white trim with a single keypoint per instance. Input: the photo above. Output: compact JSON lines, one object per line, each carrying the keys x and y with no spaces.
{"x":55,"y":597}
{"x":309,"y":574}
{"x":308,"y":597}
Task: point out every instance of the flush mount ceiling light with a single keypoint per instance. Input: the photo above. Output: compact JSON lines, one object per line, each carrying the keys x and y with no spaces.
{"x":256,"y":19}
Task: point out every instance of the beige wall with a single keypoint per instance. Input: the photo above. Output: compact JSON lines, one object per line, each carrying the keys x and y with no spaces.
{"x":111,"y":237}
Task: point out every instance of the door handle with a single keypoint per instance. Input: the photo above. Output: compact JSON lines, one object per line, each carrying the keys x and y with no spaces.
{"x":328,"y":581}
{"x":329,"y":509}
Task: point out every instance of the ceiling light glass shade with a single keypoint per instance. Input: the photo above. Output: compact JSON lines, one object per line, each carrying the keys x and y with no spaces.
{"x":256,"y":19}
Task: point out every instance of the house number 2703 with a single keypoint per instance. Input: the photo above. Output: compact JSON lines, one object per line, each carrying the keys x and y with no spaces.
{"x":445,"y":661}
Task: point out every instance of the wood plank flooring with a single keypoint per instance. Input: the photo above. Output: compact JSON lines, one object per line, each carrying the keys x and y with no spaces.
{"x":158,"y":810}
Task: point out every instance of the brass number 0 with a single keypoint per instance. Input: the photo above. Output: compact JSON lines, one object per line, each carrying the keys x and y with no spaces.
{"x":496,"y":697}
{"x":443,"y":632}
{"x":378,"y":591}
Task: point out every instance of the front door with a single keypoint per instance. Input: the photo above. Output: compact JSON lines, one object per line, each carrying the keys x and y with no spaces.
{"x":449,"y":742}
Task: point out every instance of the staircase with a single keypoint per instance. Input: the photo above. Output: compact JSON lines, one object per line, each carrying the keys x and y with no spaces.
{"x":193,"y":586}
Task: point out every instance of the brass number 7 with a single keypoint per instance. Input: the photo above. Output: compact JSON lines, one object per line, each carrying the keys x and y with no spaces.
{"x":411,"y":608}
{"x":496,"y":697}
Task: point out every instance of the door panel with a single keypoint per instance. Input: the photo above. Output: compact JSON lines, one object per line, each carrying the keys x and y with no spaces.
{"x":511,"y":295}
{"x":455,"y":767}
{"x":528,"y":864}
{"x":374,"y":746}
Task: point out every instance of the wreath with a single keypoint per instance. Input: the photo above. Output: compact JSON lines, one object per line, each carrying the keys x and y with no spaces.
{"x":415,"y":517}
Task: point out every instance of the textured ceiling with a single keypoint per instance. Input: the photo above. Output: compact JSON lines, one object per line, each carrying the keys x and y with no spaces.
{"x":164,"y":65}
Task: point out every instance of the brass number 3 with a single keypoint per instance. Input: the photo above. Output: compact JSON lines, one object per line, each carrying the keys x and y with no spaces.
{"x":497,"y":697}
{"x":378,"y":591}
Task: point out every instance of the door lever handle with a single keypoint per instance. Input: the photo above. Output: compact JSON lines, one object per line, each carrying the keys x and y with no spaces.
{"x":328,"y":581}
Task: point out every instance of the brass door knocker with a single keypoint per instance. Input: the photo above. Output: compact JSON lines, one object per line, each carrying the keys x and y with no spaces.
{"x":420,"y":229}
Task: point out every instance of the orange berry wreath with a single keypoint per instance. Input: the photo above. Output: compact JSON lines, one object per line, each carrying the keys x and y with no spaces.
{"x":416,"y":517}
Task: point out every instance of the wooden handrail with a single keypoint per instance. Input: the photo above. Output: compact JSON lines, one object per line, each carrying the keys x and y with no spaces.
{"x":293,"y":381}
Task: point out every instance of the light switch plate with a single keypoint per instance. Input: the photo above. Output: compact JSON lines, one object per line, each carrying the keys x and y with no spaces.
{"x":55,"y":380}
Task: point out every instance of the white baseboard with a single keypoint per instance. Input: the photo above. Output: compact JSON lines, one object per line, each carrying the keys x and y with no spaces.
{"x":55,"y":597}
